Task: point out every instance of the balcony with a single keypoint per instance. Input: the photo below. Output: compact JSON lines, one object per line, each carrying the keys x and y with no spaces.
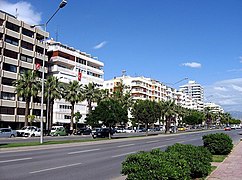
{"x":63,"y":61}
{"x":12,"y":33}
{"x":7,"y":88}
{"x":9,"y":60}
{"x":95,"y":70}
{"x":40,"y":43}
{"x":27,"y":52}
{"x":40,"y":56}
{"x":9,"y":74}
{"x":11,"y":47}
{"x":57,"y":68}
{"x":27,"y":39}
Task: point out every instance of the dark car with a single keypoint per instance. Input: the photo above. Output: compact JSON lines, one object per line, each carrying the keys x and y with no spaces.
{"x":102,"y":133}
{"x":84,"y":131}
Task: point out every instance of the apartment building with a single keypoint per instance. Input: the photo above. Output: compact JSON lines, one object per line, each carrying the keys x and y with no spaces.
{"x":140,"y":87}
{"x":215,"y":108}
{"x":21,"y":48}
{"x":69,"y":64}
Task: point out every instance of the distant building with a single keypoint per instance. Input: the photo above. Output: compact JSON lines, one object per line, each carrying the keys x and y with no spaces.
{"x":21,"y":48}
{"x":215,"y":108}
{"x":69,"y":64}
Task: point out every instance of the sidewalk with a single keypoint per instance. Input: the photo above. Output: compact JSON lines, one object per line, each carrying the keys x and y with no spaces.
{"x":231,"y":167}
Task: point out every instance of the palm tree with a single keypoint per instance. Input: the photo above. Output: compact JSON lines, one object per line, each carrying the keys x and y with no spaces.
{"x":168,"y":110}
{"x":52,"y":92}
{"x":91,"y":94}
{"x":73,"y":94}
{"x":27,"y":86}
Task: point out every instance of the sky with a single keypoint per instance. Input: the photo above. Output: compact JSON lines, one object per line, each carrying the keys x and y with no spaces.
{"x":167,"y":40}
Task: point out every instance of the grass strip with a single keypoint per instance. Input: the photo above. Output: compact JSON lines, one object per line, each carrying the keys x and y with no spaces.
{"x":47,"y":143}
{"x":219,"y":158}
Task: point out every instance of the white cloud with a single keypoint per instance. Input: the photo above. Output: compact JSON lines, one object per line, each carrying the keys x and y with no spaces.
{"x":227,"y":93}
{"x":192,"y":64}
{"x":220,"y":88}
{"x":100,"y":45}
{"x":240,"y":58}
{"x":25,"y":11}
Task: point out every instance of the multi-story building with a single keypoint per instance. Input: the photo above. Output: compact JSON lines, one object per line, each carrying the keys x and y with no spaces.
{"x":195,"y":93}
{"x":68,"y":64}
{"x":21,"y":47}
{"x":215,"y":108}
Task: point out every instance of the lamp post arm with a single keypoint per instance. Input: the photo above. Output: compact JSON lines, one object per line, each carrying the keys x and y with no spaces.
{"x":52,"y":16}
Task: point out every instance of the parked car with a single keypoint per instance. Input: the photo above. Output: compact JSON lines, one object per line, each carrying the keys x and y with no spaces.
{"x":58,"y":131}
{"x":84,"y":131}
{"x":227,"y":128}
{"x":102,"y":133}
{"x":181,"y":128}
{"x":28,"y":131}
{"x":7,"y":132}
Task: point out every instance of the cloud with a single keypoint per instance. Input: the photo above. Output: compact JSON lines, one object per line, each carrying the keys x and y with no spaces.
{"x":235,"y":70}
{"x":100,"y":45}
{"x":227,"y":93}
{"x":25,"y":11}
{"x":192,"y":64}
{"x":240,"y":58}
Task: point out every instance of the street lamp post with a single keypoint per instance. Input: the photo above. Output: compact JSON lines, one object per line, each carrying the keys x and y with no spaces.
{"x":62,"y":4}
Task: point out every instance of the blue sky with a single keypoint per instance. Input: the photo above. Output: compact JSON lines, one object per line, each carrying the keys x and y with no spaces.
{"x":167,"y":40}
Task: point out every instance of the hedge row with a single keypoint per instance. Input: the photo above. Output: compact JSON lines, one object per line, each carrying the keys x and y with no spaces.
{"x":178,"y":162}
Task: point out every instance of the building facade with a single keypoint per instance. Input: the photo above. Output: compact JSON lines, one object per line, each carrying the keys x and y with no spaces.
{"x":69,"y":64}
{"x":21,"y":48}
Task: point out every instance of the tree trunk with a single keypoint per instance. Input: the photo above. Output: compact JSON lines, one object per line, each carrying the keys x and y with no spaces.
{"x":72,"y":116}
{"x":89,"y":102}
{"x":146,"y":129}
{"x":26,"y":112}
{"x":109,"y":136}
{"x":51,"y":115}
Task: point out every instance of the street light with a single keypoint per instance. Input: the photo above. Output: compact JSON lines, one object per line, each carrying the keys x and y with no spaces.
{"x":61,"y":5}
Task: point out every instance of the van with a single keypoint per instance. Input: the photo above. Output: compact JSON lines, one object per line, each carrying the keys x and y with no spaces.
{"x":58,"y":131}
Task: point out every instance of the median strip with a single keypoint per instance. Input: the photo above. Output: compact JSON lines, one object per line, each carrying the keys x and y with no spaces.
{"x":89,"y":150}
{"x":54,"y":168}
{"x":14,"y":160}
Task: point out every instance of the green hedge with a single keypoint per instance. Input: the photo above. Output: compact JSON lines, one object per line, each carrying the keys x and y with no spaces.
{"x":156,"y":165}
{"x":198,"y":158}
{"x":218,"y":144}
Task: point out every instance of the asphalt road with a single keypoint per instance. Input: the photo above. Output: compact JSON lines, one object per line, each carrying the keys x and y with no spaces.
{"x":99,"y":160}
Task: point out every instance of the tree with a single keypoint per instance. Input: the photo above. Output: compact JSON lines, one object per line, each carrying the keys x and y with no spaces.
{"x":77,"y":116}
{"x":143,"y":111}
{"x":52,"y":92}
{"x":91,"y":94}
{"x":169,"y":112}
{"x":73,"y":94}
{"x":108,"y":112}
{"x":195,"y":117}
{"x":27,"y":86}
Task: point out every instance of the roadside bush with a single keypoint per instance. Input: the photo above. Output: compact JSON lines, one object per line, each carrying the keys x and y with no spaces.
{"x":156,"y":165}
{"x":198,"y":158}
{"x":218,"y":144}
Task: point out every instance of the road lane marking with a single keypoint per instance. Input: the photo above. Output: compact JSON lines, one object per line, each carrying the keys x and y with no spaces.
{"x":54,"y":168}
{"x":14,"y":160}
{"x":125,"y":145}
{"x":77,"y":152}
{"x":124,"y":154}
{"x":151,"y":142}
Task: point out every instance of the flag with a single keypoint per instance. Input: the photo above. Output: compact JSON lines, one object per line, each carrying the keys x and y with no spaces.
{"x":79,"y":76}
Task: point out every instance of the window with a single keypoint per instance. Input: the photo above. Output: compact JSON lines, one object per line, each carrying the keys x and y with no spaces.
{"x":39,"y":50}
{"x":27,"y":45}
{"x":6,"y":110}
{"x":1,"y":22}
{"x":67,"y":117}
{"x":8,"y":96}
{"x":82,"y":61}
{"x":65,"y":107}
{"x":7,"y":81}
{"x":21,"y":111}
{"x":37,"y":100}
{"x":26,"y":58}
{"x":36,"y":112}
{"x":12,"y":26}
{"x":27,"y":32}
{"x":10,"y":54}
{"x":22,"y":70}
{"x":9,"y":67}
{"x":11,"y":40}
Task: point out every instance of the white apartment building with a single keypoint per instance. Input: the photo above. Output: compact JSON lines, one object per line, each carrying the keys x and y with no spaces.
{"x":21,"y":48}
{"x":214,"y":108}
{"x":195,"y":94}
{"x":68,"y":64}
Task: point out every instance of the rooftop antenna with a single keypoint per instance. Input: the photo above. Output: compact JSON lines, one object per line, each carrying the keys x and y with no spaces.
{"x":16,"y":13}
{"x":56,"y":34}
{"x":123,"y":72}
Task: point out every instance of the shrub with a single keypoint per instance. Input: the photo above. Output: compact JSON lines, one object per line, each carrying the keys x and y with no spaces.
{"x":198,"y":158}
{"x":218,"y":144}
{"x":155,"y":165}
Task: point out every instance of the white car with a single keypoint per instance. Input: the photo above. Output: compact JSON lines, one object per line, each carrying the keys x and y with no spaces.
{"x":29,"y":131}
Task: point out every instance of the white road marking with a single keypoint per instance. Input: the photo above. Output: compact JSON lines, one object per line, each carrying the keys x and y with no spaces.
{"x":151,"y":142}
{"x":160,"y":146}
{"x":58,"y":167}
{"x":14,"y":160}
{"x":124,"y":154}
{"x":125,"y":145}
{"x":90,"y":150}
